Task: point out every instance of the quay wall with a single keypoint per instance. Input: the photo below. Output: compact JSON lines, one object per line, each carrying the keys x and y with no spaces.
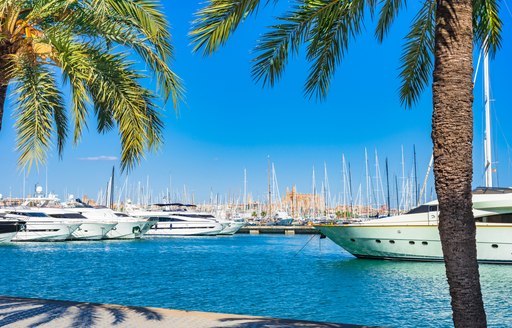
{"x":286,"y":230}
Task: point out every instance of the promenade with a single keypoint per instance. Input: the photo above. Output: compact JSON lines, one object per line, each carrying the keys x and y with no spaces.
{"x":30,"y":312}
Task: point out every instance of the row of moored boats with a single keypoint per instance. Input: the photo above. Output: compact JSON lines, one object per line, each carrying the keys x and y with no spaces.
{"x":78,"y":221}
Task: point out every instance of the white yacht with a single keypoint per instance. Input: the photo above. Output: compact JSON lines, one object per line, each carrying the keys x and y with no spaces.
{"x":231,"y":226}
{"x":176,"y":220}
{"x":415,"y":235}
{"x":90,"y":229}
{"x":126,"y":228}
{"x":9,"y":228}
{"x":41,"y":227}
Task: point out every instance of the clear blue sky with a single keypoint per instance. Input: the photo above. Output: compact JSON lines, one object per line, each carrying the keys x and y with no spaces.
{"x":228,"y":123}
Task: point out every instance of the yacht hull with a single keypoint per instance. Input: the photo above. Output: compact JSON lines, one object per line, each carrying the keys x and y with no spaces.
{"x":46,"y":231}
{"x":6,"y":237}
{"x":9,"y":229}
{"x":92,"y":231}
{"x":184,"y":229}
{"x":232,"y":228}
{"x":419,"y":242}
{"x":127,"y":230}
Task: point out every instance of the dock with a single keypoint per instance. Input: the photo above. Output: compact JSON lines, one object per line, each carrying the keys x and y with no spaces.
{"x":33,"y":312}
{"x":287,"y":230}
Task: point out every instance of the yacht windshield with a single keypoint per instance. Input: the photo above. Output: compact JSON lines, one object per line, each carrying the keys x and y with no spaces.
{"x":67,"y":216}
{"x":31,"y":214}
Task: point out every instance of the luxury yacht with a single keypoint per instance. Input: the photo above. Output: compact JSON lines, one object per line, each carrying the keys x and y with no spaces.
{"x":41,"y":227}
{"x":90,"y":229}
{"x":415,"y":235}
{"x":126,"y":228}
{"x":231,"y":225}
{"x":9,"y":228}
{"x":176,"y":220}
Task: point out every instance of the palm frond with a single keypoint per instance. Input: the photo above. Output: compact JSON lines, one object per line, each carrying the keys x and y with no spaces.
{"x":416,"y":59}
{"x":336,"y":22}
{"x":74,"y":62}
{"x":276,"y":45}
{"x":487,"y":25}
{"x":388,"y":12}
{"x":217,"y":21}
{"x":39,"y":102}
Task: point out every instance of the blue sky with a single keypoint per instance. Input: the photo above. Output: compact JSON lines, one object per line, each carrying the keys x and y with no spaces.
{"x":228,"y":123}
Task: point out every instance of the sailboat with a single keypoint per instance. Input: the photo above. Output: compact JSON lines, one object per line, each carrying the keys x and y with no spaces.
{"x":415,"y":235}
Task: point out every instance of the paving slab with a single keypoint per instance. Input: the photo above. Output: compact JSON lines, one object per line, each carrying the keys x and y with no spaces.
{"x":33,"y":312}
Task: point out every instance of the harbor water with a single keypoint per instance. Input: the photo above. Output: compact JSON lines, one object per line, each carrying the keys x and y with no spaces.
{"x":297,"y":276}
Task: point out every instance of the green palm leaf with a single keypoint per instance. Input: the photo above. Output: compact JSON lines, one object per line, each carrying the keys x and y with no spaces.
{"x":39,"y":102}
{"x":388,"y":12}
{"x":90,"y":42}
{"x":216,"y":21}
{"x":417,"y":65}
{"x":487,"y":24}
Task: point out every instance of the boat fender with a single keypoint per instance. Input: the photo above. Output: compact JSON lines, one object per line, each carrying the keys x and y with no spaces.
{"x":322,"y":236}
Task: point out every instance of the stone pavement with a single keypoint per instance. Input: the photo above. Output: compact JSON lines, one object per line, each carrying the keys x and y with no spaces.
{"x":30,"y":312}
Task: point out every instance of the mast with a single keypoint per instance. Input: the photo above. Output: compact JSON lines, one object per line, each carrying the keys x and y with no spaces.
{"x":416,"y":194}
{"x":350,"y":190}
{"x":387,"y":183}
{"x":314,"y":193}
{"x":245,"y":189}
{"x":422,"y":192}
{"x":397,"y":200}
{"x":402,"y":198}
{"x":367,"y":184}
{"x":112,"y":189}
{"x":269,"y":190}
{"x":344,"y":176}
{"x":487,"y":137}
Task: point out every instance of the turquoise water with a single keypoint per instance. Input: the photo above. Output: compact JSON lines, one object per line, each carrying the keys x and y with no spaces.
{"x":299,"y":277}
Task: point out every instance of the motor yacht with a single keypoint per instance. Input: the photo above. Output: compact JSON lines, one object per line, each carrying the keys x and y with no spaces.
{"x":231,"y":226}
{"x":415,"y":235}
{"x":176,"y":219}
{"x":41,"y":227}
{"x":89,"y":229}
{"x":9,"y":228}
{"x":126,"y":228}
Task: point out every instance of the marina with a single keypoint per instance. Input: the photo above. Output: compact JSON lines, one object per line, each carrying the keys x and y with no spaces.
{"x":298,"y":277}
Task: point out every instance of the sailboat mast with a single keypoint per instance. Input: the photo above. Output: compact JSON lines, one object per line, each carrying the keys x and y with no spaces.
{"x":487,"y":137}
{"x":314,"y":193}
{"x":245,"y":189}
{"x":416,"y":194}
{"x":269,"y":191}
{"x":387,"y":183}
{"x":112,"y":189}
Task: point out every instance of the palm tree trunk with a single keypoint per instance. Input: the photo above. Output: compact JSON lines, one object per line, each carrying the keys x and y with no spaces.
{"x":3,"y":95}
{"x":452,"y":136}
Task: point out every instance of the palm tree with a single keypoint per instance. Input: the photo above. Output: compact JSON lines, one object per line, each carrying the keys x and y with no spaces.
{"x":92,"y":45}
{"x":443,"y":30}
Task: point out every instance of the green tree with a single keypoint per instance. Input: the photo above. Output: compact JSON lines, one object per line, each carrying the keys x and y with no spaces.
{"x":90,"y":44}
{"x":438,"y":44}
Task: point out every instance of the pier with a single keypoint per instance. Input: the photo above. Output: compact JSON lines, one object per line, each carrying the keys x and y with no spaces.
{"x":287,"y":230}
{"x":31,"y":312}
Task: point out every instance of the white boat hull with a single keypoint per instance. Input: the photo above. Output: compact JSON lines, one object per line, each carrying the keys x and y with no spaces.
{"x":46,"y":231}
{"x":7,"y":237}
{"x":232,"y":228}
{"x":421,"y":242}
{"x":127,"y":230}
{"x":185,"y":229}
{"x":92,"y":231}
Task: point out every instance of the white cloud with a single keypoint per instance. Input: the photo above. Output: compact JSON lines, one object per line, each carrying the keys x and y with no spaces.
{"x":98,"y":158}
